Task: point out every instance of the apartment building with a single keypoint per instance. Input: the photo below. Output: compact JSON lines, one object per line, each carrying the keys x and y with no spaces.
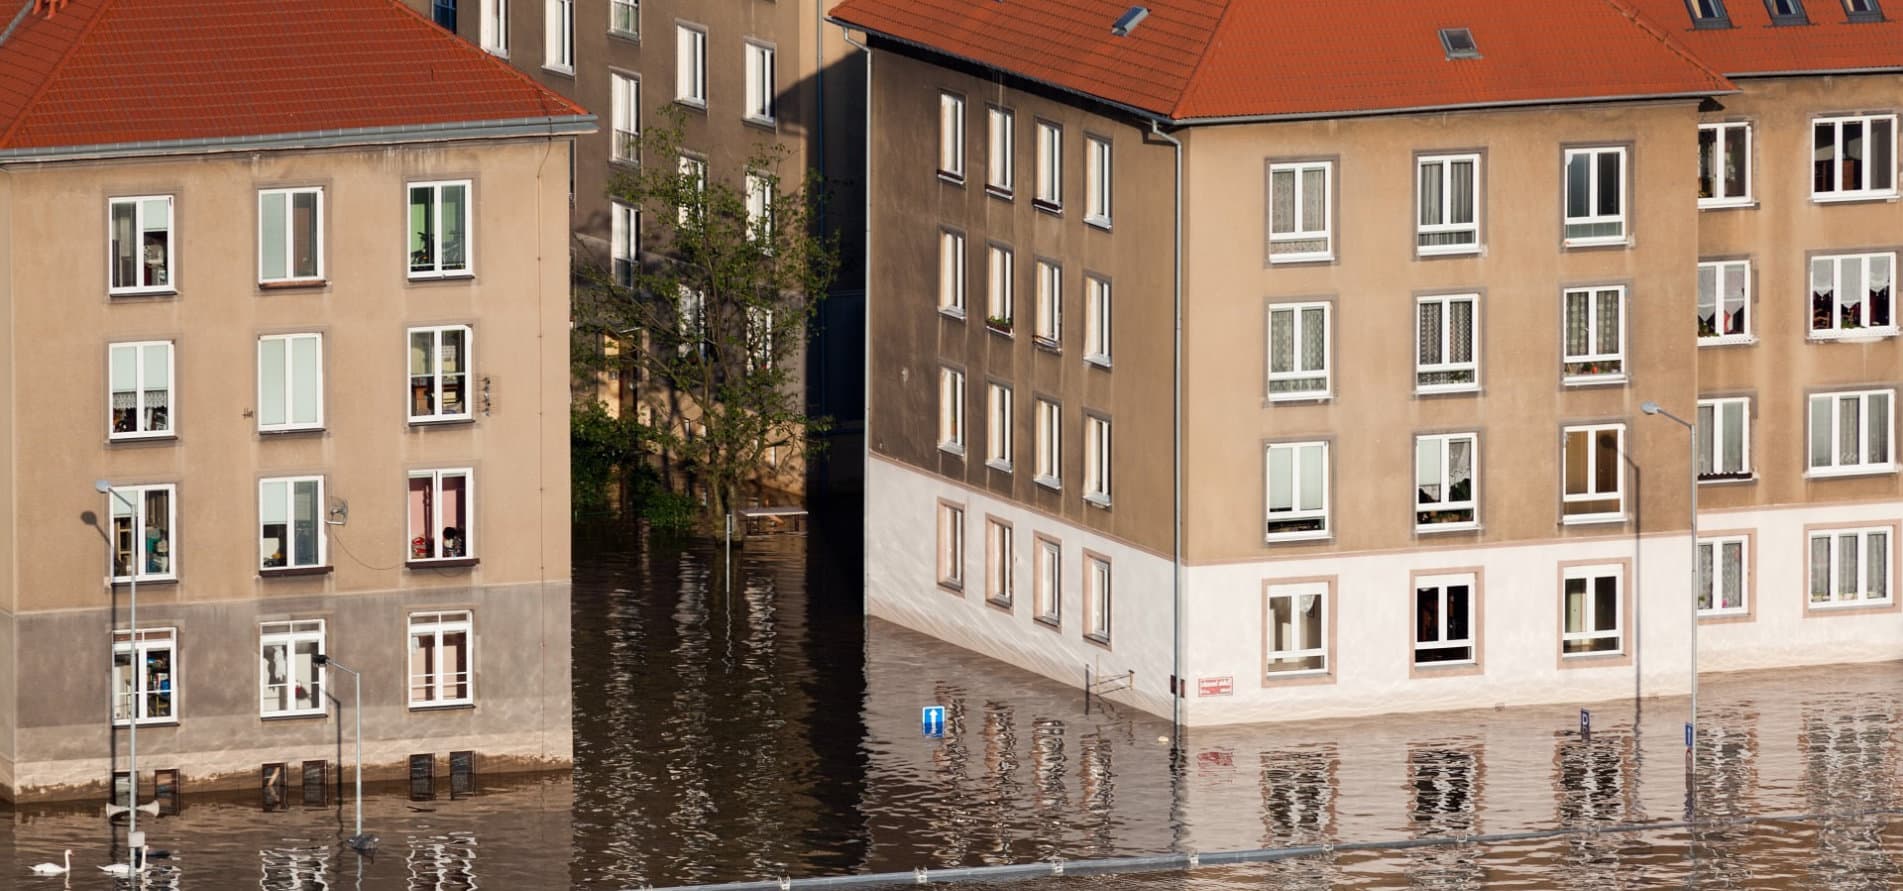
{"x":1291,"y":360}
{"x":744,"y":74}
{"x":315,"y":351}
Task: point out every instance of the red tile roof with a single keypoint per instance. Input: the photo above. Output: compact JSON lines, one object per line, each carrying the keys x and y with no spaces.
{"x":113,"y":72}
{"x":1752,"y":45}
{"x":1201,"y":59}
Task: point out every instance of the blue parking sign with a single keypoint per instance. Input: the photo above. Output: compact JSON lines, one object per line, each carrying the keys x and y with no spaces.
{"x":932,"y":721}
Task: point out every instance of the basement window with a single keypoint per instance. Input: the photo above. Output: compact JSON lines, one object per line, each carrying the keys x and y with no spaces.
{"x":1459,"y":43}
{"x":1787,"y":12}
{"x":1708,"y":14}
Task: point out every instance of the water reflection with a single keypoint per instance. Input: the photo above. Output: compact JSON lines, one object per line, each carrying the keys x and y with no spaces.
{"x":1850,"y":766}
{"x":442,"y":862}
{"x":295,"y":868}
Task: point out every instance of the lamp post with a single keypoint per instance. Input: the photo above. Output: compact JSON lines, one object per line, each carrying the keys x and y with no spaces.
{"x":359,"y":842}
{"x":1691,"y":431}
{"x":132,"y":620}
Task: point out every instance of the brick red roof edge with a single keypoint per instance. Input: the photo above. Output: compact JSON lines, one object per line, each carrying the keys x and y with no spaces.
{"x":120,"y":72}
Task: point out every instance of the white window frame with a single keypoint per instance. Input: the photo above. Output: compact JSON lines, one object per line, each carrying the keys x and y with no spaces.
{"x":136,"y":523}
{"x":690,"y":64}
{"x":1864,"y":190}
{"x":1097,"y":598}
{"x":625,"y":115}
{"x":1000,"y":287}
{"x":436,"y":476}
{"x":138,"y":204}
{"x":1867,"y":462}
{"x":1593,"y":356}
{"x":1097,"y":318}
{"x":437,"y":625}
{"x":1714,"y":428}
{"x":632,"y":15}
{"x":139,"y":349}
{"x":1595,"y":487}
{"x":1868,"y":263}
{"x":289,"y":343}
{"x":1097,"y":460}
{"x":1050,"y":166}
{"x":1304,"y":229}
{"x":1441,"y":585}
{"x":1711,"y":580}
{"x":1299,"y":317}
{"x":494,"y":27}
{"x":1723,"y":274}
{"x":1833,"y":576}
{"x":290,"y":236}
{"x":951,"y":273}
{"x":998,"y":420}
{"x":1590,"y":632}
{"x":1424,"y":230}
{"x":1097,"y":181}
{"x":1050,"y":441}
{"x":762,"y":84}
{"x":760,"y":209}
{"x":1271,"y":655}
{"x":439,"y":267}
{"x":289,"y":484}
{"x":287,"y":635}
{"x":1047,"y":593}
{"x":694,"y":169}
{"x":436,"y":374}
{"x":558,"y":36}
{"x":148,"y":641}
{"x":1000,"y":561}
{"x":951,"y":410}
{"x":1442,"y":465}
{"x":625,"y":241}
{"x":1300,"y":455}
{"x":1594,"y":191}
{"x":951,"y":137}
{"x":1447,"y":365}
{"x":1720,"y":153}
{"x":951,"y":545}
{"x":1001,"y":161}
{"x":1050,"y":303}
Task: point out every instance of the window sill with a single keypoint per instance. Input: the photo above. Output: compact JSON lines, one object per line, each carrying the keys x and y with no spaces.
{"x":293,"y":284}
{"x":1097,"y":359}
{"x":1593,"y":520}
{"x":1290,"y":537}
{"x":1609,"y":655}
{"x":690,"y":103}
{"x":952,"y":586}
{"x":289,"y":431}
{"x":1740,"y":480}
{"x":1002,"y":193}
{"x":448,"y":563}
{"x":1622,"y":241}
{"x":496,"y":51}
{"x":772,"y":124}
{"x":151,"y":722}
{"x":1098,"y":640}
{"x":952,"y":448}
{"x":1311,"y":675}
{"x":1720,"y":617}
{"x":1853,"y":197}
{"x":1051,"y":483}
{"x":442,"y":706}
{"x":1289,"y":259}
{"x":1003,"y":603}
{"x":443,"y":422}
{"x":1048,"y":622}
{"x":293,"y":716}
{"x":125,"y":582}
{"x":1849,"y":473}
{"x":141,"y":292}
{"x":1047,"y":344}
{"x":1847,"y":607}
{"x":999,"y":466}
{"x":1728,"y":204}
{"x":1298,"y":398}
{"x":1461,"y":390}
{"x":1054,"y":208}
{"x":1100,"y":223}
{"x":995,"y":328}
{"x":1606,"y":380}
{"x":633,"y":37}
{"x":1101,"y":502}
{"x":457,"y":276}
{"x":1854,"y":335}
{"x":1425,"y":252}
{"x":1728,"y":340}
{"x":1442,"y":528}
{"x":952,"y":313}
{"x":956,"y":179}
{"x":131,"y":438}
{"x":281,"y":572}
{"x":567,"y":71}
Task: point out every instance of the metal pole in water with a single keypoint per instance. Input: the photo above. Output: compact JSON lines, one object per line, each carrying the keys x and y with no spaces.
{"x":730,"y":553}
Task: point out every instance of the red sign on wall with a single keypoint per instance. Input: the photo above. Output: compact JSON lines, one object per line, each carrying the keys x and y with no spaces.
{"x":1222,"y":686}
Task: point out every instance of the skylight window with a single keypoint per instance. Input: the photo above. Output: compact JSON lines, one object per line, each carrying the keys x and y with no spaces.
{"x":1787,"y":12}
{"x":1459,"y":43}
{"x":1708,"y":13}
{"x":1863,"y":10}
{"x":1128,"y":21}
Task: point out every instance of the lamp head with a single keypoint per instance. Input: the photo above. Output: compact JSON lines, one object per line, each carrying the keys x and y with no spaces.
{"x":101,"y":486}
{"x":1650,"y":408}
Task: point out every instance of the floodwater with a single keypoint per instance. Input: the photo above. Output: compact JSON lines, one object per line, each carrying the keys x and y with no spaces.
{"x":772,"y":732}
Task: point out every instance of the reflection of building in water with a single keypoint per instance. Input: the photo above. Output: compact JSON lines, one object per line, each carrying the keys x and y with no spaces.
{"x":1727,"y":777}
{"x":294,"y":868}
{"x":1444,"y":791}
{"x":1047,"y":761}
{"x":1298,"y":796}
{"x":1592,"y":779}
{"x":443,"y":862}
{"x":1098,"y":782}
{"x":1850,"y":766}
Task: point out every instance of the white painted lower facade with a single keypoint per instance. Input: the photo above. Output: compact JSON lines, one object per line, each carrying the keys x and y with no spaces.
{"x":1370,"y":616}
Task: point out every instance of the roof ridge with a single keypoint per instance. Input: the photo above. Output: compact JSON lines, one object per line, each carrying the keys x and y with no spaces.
{"x":1202,"y":59}
{"x":46,"y":81}
{"x":1645,"y":23}
{"x":542,"y":94}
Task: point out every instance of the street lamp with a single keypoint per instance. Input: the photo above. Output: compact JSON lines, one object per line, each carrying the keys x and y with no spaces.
{"x":360,"y":843}
{"x":1691,"y":430}
{"x":132,"y":724}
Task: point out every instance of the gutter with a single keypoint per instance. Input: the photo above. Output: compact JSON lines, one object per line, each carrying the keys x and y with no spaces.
{"x":1819,"y":72}
{"x":538,"y":126}
{"x":1178,"y":684}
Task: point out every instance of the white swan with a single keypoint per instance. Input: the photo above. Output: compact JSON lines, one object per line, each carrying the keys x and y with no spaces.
{"x":125,"y":870}
{"x":54,"y":869}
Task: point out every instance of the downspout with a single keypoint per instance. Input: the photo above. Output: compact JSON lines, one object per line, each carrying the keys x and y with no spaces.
{"x":865,"y":316}
{"x":1178,"y":685}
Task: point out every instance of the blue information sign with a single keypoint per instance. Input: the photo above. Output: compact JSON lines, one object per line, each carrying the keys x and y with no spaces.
{"x":932,"y":721}
{"x":1688,"y":735}
{"x":1585,"y":721}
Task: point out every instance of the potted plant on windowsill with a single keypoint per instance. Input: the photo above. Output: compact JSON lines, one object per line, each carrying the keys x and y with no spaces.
{"x":998,"y":324}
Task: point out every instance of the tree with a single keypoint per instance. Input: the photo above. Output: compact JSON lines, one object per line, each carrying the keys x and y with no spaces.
{"x":712,"y":301}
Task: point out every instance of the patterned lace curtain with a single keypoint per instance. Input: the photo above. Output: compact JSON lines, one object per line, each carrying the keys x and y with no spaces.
{"x":1430,"y":334}
{"x":1460,"y":321}
{"x":1281,"y":341}
{"x":1282,"y":201}
{"x":1314,"y":340}
{"x":1608,"y":320}
{"x":1461,"y":209}
{"x":1731,"y":563}
{"x":1460,"y":465}
{"x":1314,"y":199}
{"x":1577,"y":308}
{"x":1431,"y":210}
{"x":1848,"y":434}
{"x":1705,"y":577}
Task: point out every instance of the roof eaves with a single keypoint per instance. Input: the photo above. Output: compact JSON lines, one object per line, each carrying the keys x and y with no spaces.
{"x":562,"y":125}
{"x":1461,"y":106}
{"x":1817,"y":72}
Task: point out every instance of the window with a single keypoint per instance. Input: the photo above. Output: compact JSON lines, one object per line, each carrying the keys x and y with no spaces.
{"x":1853,"y":157}
{"x":1594,"y":462}
{"x":624,"y":17}
{"x":495,"y":27}
{"x":951,"y":272}
{"x":1721,"y":575}
{"x":1851,"y":295}
{"x":1096,"y":321}
{"x":951,"y":545}
{"x":444,"y":13}
{"x":290,"y":235}
{"x":690,"y":65}
{"x":1000,"y":565}
{"x":1459,"y":43}
{"x":1049,"y":443}
{"x":1786,"y":12}
{"x":440,"y":659}
{"x":1096,"y":598}
{"x":999,"y":276}
{"x":1444,"y":481}
{"x":998,"y":427}
{"x":1849,"y":567}
{"x":1298,"y":351}
{"x":141,"y":245}
{"x":1595,"y":196}
{"x":1001,"y":162}
{"x":291,"y":523}
{"x":762,"y":86}
{"x":1050,"y":165}
{"x":1443,"y":619}
{"x":1724,"y":439}
{"x":1097,"y":460}
{"x":1724,"y":164}
{"x":1050,"y":303}
{"x":439,"y":373}
{"x":1862,"y":11}
{"x":1850,"y":433}
{"x":625,"y":101}
{"x":1297,"y":491}
{"x":693,"y":173}
{"x":760,"y":350}
{"x":141,"y":384}
{"x":625,"y":233}
{"x":1449,"y":189}
{"x":142,"y":521}
{"x":1595,"y":335}
{"x":1594,"y":610}
{"x":558,"y":39}
{"x":290,"y":682}
{"x":951,"y":136}
{"x":440,"y":510}
{"x":439,"y":229}
{"x":1296,"y":617}
{"x":1049,"y":589}
{"x":1708,"y":14}
{"x":291,"y":382}
{"x":1097,"y":181}
{"x":1724,"y":302}
{"x":145,"y":676}
{"x":951,"y":410}
{"x":1300,"y":208}
{"x":691,"y":316}
{"x":760,"y":210}
{"x":1446,"y":358}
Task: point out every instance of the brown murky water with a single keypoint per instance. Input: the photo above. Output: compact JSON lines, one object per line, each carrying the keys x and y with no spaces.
{"x":774,"y":733}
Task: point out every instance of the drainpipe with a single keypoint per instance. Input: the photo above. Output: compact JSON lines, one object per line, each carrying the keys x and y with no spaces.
{"x":1179,"y":687}
{"x":865,"y":315}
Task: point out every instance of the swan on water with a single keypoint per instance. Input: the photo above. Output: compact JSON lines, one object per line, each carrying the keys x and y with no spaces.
{"x":126,"y":870}
{"x":54,"y":869}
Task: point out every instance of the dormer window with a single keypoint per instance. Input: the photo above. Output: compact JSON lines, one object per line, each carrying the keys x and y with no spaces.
{"x":1787,"y":12}
{"x":1708,"y":14}
{"x":1863,"y":10}
{"x":1459,"y":43}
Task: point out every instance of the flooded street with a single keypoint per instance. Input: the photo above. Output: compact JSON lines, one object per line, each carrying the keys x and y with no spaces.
{"x":775,"y":733}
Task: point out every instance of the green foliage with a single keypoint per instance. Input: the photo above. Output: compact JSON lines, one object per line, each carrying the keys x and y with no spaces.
{"x":601,"y":447}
